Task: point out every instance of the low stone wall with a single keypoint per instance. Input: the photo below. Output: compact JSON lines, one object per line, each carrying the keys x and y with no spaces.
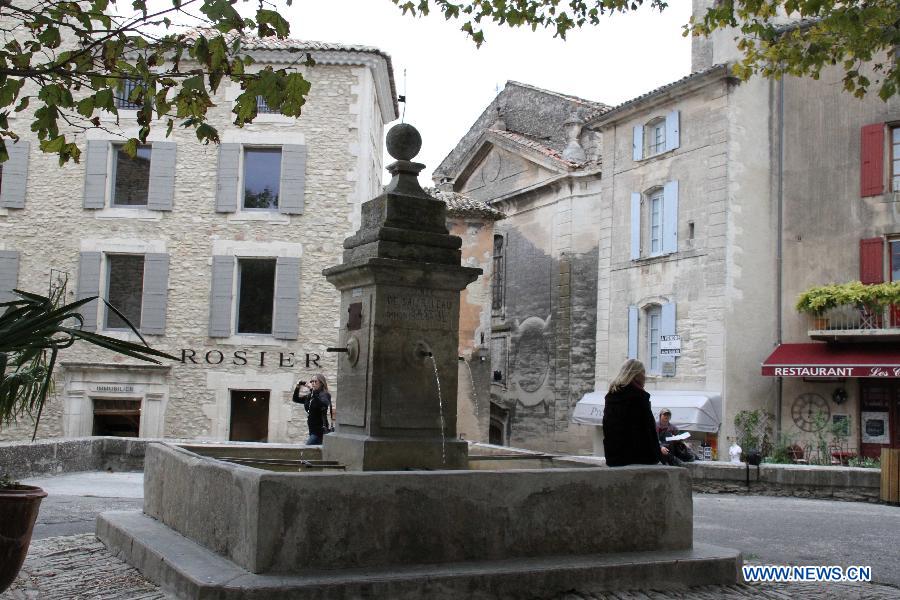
{"x":803,"y":481}
{"x":21,"y":460}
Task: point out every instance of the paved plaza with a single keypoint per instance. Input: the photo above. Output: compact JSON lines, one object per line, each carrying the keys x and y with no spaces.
{"x":67,"y":562}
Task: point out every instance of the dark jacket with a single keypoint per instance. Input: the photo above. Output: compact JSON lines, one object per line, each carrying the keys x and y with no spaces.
{"x":629,"y":429}
{"x":317,"y":405}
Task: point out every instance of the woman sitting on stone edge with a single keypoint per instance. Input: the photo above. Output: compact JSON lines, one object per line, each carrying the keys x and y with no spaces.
{"x":629,"y":428}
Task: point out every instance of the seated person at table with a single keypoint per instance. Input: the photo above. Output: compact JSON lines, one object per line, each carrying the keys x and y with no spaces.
{"x":664,"y":429}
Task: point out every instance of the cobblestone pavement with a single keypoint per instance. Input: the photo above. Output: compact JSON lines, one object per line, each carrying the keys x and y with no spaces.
{"x":78,"y":567}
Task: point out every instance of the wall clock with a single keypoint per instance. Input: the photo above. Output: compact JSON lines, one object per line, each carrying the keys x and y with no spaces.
{"x":805,"y":409}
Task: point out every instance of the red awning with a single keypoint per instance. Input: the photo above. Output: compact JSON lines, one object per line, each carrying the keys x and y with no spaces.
{"x":832,"y":360}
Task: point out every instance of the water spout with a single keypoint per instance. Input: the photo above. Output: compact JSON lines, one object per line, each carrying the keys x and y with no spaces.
{"x":474,"y":391}
{"x":437,"y":380}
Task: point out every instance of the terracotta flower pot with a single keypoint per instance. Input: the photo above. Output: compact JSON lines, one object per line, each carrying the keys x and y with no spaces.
{"x":18,"y":511}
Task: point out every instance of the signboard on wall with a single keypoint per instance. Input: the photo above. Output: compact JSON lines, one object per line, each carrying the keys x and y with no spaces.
{"x":875,"y":427}
{"x":670,"y":345}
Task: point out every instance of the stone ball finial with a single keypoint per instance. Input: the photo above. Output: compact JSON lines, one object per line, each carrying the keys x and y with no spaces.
{"x":403,"y":141}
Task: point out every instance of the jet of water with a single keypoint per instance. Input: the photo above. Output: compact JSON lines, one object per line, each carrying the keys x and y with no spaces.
{"x":437,"y":380}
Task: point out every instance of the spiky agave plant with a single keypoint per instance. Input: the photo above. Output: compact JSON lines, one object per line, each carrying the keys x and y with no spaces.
{"x":33,"y":330}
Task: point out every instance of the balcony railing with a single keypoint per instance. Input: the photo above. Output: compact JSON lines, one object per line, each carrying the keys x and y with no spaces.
{"x":849,"y":322}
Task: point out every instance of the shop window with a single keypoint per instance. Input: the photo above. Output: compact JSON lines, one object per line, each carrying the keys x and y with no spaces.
{"x":249,"y":416}
{"x":131,"y":176}
{"x":256,"y":295}
{"x":124,"y":289}
{"x":120,"y":418}
{"x":262,"y":178}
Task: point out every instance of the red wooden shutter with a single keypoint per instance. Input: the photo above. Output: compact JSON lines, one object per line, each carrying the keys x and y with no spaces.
{"x":871,"y":154}
{"x":871,"y":260}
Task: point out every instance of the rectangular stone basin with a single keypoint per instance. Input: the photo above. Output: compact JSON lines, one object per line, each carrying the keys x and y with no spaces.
{"x":291,"y":523}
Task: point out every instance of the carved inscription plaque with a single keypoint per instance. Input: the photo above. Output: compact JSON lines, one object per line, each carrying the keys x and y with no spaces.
{"x":405,"y":307}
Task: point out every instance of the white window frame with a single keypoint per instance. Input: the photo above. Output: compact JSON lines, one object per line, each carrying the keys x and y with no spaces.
{"x":653,"y":312}
{"x":895,"y":158}
{"x":655,"y":217}
{"x":655,"y":137}
{"x":107,"y":266}
{"x":241,"y":188}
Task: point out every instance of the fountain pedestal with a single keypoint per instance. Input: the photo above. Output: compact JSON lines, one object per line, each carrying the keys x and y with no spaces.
{"x":400,"y":284}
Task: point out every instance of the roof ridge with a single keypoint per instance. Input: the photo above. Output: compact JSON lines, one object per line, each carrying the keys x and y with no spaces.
{"x":559,"y":94}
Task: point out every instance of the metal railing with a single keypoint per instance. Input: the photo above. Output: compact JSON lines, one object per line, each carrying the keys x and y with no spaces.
{"x":856,"y":320}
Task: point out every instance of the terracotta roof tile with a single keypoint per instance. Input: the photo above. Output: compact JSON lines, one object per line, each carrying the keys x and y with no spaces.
{"x":460,"y":205}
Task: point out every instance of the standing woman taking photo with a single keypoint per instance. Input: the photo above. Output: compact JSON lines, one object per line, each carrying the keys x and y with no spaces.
{"x":629,"y":429}
{"x":317,"y":402}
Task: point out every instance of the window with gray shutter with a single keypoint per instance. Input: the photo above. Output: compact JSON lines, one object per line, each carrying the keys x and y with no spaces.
{"x":162,"y":176}
{"x":228,"y":177}
{"x":9,"y":274}
{"x":88,"y":285}
{"x":673,"y":130}
{"x":221,"y":296}
{"x":293,"y":179}
{"x":156,"y":288}
{"x":670,"y":217}
{"x":287,"y":298}
{"x":15,"y":175}
{"x":96,"y":173}
{"x":632,"y":331}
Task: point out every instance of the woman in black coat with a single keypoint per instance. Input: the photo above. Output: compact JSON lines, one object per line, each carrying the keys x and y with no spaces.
{"x":629,"y":429}
{"x":317,"y":402}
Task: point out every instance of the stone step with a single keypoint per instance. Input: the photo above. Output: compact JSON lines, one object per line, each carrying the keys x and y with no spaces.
{"x":190,"y":571}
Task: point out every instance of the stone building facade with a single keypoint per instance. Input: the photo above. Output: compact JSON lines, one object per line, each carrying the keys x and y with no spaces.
{"x":526,"y":155}
{"x":717,"y":202}
{"x":214,"y":270}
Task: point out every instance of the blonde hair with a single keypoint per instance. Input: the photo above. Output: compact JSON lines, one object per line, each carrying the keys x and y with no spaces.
{"x":322,"y":381}
{"x":631,"y":368}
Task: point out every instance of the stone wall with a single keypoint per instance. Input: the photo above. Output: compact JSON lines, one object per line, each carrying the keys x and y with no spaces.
{"x":802,"y":481}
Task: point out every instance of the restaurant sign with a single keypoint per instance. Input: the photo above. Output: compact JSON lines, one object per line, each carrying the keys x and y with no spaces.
{"x":831,"y":371}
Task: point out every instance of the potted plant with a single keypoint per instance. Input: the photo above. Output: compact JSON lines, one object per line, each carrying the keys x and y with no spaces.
{"x":33,"y":330}
{"x":816,"y":301}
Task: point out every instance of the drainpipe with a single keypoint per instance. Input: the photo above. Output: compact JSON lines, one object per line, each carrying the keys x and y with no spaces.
{"x":779,"y":259}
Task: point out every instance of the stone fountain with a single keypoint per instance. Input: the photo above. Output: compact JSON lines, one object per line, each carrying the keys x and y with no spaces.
{"x":412,"y":516}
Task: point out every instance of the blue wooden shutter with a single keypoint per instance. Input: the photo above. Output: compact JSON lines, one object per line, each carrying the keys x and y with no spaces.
{"x":670,"y":217}
{"x":293,"y":180}
{"x":638,"y":143}
{"x":15,"y":175}
{"x":9,"y":274}
{"x":88,"y":285}
{"x":673,"y":133}
{"x":667,"y":327}
{"x":635,"y":226}
{"x":162,"y":176}
{"x":156,"y":289}
{"x":228,"y":177}
{"x":287,"y":298}
{"x":632,"y":331}
{"x":220,"y":299}
{"x":96,"y":172}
